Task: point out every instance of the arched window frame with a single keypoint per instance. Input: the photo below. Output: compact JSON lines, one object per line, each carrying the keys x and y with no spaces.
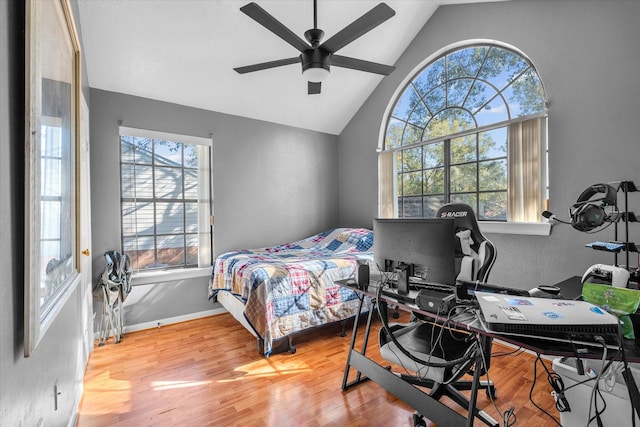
{"x":389,"y":205}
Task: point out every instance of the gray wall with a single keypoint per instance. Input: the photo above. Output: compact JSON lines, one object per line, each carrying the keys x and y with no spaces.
{"x":272,"y":184}
{"x":27,"y":384}
{"x":588,"y":56}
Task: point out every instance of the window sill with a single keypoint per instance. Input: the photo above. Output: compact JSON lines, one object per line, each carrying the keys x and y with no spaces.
{"x":150,"y":277}
{"x":523,"y":228}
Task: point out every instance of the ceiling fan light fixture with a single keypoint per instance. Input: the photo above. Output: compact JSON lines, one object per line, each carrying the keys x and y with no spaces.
{"x":316,"y":74}
{"x":315,"y":64}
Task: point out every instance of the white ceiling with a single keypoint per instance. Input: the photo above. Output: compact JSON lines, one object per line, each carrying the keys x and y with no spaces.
{"x":184,"y":52}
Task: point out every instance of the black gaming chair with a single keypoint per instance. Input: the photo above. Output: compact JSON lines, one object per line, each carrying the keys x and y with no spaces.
{"x":437,"y":355}
{"x":478,"y":248}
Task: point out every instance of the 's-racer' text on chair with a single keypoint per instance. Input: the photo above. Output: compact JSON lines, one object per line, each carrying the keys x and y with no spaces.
{"x":436,"y":355}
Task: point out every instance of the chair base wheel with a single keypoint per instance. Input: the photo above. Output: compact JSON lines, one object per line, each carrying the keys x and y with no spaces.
{"x":418,"y":420}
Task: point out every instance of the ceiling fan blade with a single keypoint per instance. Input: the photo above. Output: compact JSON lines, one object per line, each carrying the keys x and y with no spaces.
{"x":313,"y":88}
{"x":360,"y":26}
{"x":361,"y":65}
{"x":266,"y":65}
{"x":263,"y":18}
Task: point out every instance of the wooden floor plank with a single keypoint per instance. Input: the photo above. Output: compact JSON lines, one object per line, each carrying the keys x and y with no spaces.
{"x":207,"y":372}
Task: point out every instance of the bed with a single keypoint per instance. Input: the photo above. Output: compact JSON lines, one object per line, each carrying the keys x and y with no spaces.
{"x":278,"y":291}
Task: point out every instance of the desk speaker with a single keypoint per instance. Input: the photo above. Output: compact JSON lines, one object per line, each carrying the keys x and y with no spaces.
{"x":435,"y":301}
{"x":362,"y":275}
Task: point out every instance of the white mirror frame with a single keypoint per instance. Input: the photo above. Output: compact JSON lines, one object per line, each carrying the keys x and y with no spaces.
{"x":52,"y":56}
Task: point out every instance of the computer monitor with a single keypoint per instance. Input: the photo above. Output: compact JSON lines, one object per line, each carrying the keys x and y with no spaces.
{"x":423,"y":248}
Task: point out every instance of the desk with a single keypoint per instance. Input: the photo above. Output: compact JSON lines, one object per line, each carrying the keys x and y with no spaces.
{"x":418,"y":399}
{"x":410,"y":394}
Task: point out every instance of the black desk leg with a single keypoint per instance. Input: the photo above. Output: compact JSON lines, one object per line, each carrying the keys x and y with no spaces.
{"x":474,"y":388}
{"x":473,"y":411}
{"x":354,"y":335}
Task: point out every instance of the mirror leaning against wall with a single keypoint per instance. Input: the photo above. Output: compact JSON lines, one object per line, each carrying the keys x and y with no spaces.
{"x":51,"y":185}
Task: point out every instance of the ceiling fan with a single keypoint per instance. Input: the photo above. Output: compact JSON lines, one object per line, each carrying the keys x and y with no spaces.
{"x":316,"y":58}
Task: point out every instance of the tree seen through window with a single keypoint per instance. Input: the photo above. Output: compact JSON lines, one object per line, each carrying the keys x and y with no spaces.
{"x":449,"y":130}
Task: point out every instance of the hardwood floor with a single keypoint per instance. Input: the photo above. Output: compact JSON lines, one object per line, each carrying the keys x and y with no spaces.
{"x":207,"y":372}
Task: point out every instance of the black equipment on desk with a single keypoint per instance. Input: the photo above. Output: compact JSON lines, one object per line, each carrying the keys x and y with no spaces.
{"x":435,"y":301}
{"x":465,"y":290}
{"x":362,"y":274}
{"x":416,"y":248}
{"x":432,"y":297}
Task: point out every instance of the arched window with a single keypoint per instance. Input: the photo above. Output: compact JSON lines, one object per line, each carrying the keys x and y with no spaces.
{"x":469,"y":127}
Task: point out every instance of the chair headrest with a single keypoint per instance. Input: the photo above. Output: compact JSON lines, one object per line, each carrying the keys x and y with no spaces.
{"x":464,"y":218}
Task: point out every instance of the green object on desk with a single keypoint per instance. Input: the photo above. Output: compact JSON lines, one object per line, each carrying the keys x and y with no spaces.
{"x":620,"y":302}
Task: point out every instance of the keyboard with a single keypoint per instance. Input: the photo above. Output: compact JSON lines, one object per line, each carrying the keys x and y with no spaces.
{"x":606,"y":246}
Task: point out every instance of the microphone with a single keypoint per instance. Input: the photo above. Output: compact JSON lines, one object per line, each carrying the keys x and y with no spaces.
{"x":548,"y":215}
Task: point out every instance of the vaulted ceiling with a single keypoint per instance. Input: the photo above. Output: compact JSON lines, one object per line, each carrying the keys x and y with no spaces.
{"x":184,"y":52}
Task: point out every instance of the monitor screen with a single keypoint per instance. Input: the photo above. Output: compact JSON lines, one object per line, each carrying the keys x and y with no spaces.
{"x":425,"y":247}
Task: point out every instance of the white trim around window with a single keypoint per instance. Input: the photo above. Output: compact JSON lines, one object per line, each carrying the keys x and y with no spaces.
{"x":160,"y":276}
{"x":522,"y":228}
{"x":153,"y":134}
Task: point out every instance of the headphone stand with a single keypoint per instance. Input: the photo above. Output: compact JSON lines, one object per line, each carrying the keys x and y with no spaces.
{"x":627,"y":217}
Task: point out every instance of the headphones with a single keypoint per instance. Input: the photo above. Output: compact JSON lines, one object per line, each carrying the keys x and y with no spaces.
{"x":588,"y":213}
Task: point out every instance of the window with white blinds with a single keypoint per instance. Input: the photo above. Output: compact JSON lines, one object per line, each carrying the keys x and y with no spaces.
{"x":165,"y":187}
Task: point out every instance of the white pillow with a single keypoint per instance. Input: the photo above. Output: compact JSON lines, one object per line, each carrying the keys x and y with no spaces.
{"x":465,"y":241}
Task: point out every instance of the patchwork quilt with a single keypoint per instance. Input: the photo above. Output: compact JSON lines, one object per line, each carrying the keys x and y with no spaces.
{"x":291,"y":287}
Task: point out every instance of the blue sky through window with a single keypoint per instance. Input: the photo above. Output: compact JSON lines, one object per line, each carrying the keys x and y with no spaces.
{"x":477,"y":86}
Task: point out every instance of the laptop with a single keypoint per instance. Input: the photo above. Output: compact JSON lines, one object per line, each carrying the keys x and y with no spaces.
{"x":564,"y":320}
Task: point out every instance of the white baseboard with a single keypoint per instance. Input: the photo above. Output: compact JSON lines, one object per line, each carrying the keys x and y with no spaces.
{"x":168,"y":321}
